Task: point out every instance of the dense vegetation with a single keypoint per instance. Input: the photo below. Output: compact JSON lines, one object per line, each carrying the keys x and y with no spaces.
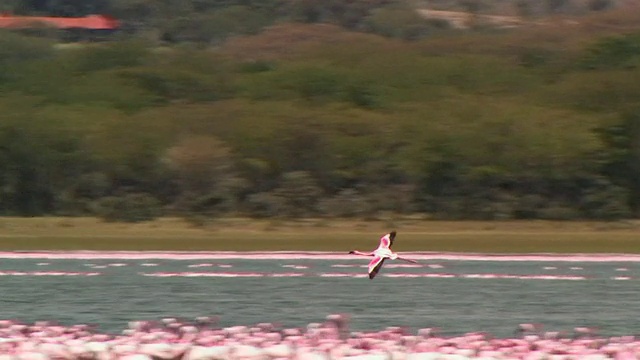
{"x":211,"y":22}
{"x":304,"y":120}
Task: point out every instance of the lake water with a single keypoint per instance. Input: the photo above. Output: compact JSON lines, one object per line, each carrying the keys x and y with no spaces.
{"x":455,"y":295}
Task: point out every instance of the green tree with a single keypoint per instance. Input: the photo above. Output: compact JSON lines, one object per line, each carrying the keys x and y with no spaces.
{"x":135,"y":207}
{"x":400,"y":22}
{"x":600,"y":5}
{"x":555,"y":6}
{"x":120,"y":54}
{"x":204,"y":171}
{"x":16,"y":49}
{"x":299,"y":193}
{"x":41,"y":153}
{"x":613,"y":52}
{"x":621,"y":158}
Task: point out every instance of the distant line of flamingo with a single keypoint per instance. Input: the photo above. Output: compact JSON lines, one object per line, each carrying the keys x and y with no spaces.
{"x":203,"y":339}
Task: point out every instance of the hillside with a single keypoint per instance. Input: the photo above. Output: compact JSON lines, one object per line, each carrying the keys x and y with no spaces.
{"x":317,"y":119}
{"x":465,"y":15}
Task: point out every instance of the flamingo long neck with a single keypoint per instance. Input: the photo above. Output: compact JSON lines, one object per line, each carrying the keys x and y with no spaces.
{"x":356,"y":252}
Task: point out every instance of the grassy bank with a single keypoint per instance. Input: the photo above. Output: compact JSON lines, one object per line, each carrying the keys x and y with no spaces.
{"x":334,"y":235}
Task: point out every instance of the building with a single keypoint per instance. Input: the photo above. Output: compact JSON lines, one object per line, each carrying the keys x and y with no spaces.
{"x":74,"y":27}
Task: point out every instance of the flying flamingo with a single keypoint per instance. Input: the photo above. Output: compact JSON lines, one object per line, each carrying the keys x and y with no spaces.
{"x":380,"y":254}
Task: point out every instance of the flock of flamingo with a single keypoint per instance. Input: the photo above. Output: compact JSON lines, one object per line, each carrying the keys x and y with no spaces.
{"x":203,"y":339}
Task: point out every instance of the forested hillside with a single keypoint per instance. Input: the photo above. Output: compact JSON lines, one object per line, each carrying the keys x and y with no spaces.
{"x":301,"y":118}
{"x":211,"y":22}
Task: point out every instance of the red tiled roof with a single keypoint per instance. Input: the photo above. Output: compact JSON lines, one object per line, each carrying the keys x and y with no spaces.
{"x":91,"y":22}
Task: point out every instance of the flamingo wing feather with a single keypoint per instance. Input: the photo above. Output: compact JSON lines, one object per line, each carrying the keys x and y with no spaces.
{"x":375,"y":265}
{"x":387,"y":240}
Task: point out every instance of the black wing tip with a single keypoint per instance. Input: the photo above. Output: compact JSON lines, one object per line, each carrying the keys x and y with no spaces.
{"x":392,"y":234}
{"x":376,"y":269}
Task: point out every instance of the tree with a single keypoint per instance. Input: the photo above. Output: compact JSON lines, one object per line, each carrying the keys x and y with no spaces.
{"x":135,"y":207}
{"x":621,"y":158}
{"x":308,"y":11}
{"x":114,"y":55}
{"x":300,"y":194}
{"x":524,"y":8}
{"x":399,"y":22}
{"x":612,"y":52}
{"x":16,"y":49}
{"x":41,"y":154}
{"x":555,"y":6}
{"x":600,"y":5}
{"x":348,"y":14}
{"x":203,"y":167}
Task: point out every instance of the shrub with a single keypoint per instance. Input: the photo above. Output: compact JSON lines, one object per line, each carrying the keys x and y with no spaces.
{"x":114,"y":55}
{"x":128,"y":208}
{"x":264,"y":205}
{"x":613,"y":52}
{"x":362,"y":94}
{"x":606,"y":201}
{"x":300,"y":194}
{"x":313,"y":83}
{"x":15,"y":48}
{"x":557,"y":211}
{"x":171,"y":84}
{"x":347,"y":203}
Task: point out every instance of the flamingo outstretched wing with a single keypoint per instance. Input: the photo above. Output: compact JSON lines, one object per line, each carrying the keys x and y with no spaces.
{"x":407,"y":260}
{"x":375,"y":265}
{"x":387,"y":240}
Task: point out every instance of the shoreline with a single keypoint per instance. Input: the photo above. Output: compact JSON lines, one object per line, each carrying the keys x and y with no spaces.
{"x":415,"y":235}
{"x":311,"y":255}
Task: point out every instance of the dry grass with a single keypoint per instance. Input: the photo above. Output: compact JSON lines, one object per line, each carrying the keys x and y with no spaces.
{"x":289,"y":40}
{"x":334,"y":235}
{"x":464,"y":20}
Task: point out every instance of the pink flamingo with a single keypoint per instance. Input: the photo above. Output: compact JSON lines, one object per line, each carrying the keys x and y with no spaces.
{"x":382,"y":253}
